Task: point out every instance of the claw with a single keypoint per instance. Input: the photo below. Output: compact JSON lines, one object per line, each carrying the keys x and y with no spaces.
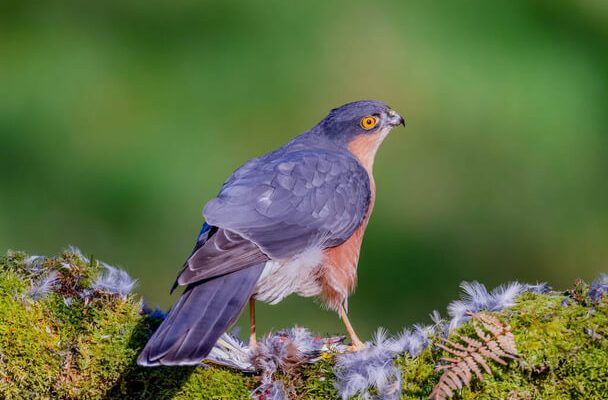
{"x":356,"y":346}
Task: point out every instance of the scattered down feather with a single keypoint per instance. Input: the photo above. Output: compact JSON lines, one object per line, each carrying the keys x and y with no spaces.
{"x":34,"y":263}
{"x":538,"y":288}
{"x":599,"y":288}
{"x":283,"y":352}
{"x":44,"y":286}
{"x":413,"y":341}
{"x":477,"y":298}
{"x":359,"y":372}
{"x":114,"y":280}
{"x":231,"y":352}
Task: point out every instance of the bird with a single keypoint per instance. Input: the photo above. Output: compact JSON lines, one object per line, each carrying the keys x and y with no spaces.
{"x":290,"y":221}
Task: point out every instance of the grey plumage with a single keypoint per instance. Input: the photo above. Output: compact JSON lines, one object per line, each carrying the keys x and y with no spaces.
{"x":370,"y":373}
{"x":114,"y":280}
{"x":293,"y":199}
{"x":599,"y":288}
{"x":231,"y":352}
{"x":476,"y":298}
{"x":538,"y":287}
{"x":223,"y":252}
{"x":310,"y":193}
{"x":204,"y":311}
{"x":414,"y":341}
{"x":44,"y":286}
{"x":283,"y":351}
{"x":34,"y":263}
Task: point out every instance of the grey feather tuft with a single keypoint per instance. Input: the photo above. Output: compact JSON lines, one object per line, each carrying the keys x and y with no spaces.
{"x":414,"y":341}
{"x":114,"y":280}
{"x":359,"y":372}
{"x":598,"y":288}
{"x":477,"y":298}
{"x":275,"y":390}
{"x":436,"y":317}
{"x":538,"y":288}
{"x":78,"y":253}
{"x":155,"y":312}
{"x":34,"y":263}
{"x":593,"y":333}
{"x":283,"y":351}
{"x":44,"y":286}
{"x":286,"y":349}
{"x":231,"y":352}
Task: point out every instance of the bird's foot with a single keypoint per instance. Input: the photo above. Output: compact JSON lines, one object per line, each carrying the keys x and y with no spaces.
{"x":357,"y":345}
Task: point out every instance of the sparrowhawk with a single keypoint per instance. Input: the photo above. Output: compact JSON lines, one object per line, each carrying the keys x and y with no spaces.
{"x":290,"y":221}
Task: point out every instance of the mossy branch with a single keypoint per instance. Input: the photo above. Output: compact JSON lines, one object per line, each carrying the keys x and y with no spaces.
{"x":59,"y":341}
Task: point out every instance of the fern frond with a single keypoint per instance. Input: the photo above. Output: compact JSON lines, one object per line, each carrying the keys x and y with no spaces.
{"x":493,"y":341}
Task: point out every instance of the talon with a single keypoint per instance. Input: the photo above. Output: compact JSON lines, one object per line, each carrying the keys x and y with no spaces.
{"x":356,"y":346}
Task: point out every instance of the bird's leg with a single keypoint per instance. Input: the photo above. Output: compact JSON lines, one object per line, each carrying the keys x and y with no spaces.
{"x":357,"y":344}
{"x":253,"y":342}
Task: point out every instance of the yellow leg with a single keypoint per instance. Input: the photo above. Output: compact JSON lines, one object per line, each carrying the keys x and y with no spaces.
{"x":253,"y":342}
{"x":357,"y":344}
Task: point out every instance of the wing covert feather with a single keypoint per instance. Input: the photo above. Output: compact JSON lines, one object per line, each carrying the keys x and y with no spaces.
{"x":219,"y":252}
{"x":285,"y":202}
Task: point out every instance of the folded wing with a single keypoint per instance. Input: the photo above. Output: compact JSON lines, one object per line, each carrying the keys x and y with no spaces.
{"x":287,"y":202}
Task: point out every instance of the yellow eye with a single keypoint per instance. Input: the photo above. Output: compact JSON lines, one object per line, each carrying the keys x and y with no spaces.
{"x":368,"y":122}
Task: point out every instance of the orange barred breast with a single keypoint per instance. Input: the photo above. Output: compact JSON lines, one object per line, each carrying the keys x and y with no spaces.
{"x":338,"y":273}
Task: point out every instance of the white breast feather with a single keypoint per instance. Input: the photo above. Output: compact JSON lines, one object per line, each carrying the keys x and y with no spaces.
{"x":280,"y":278}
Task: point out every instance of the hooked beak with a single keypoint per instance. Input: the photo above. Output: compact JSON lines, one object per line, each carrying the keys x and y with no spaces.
{"x":395,"y":119}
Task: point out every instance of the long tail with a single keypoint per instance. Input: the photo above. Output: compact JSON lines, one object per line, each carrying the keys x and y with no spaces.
{"x":203,"y":313}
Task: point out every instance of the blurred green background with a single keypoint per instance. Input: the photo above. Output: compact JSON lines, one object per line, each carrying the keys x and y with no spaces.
{"x":120,"y":119}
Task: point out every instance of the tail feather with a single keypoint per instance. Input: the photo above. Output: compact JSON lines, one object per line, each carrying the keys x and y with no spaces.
{"x":202,"y":314}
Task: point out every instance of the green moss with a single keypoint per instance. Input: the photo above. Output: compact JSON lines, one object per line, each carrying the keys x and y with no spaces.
{"x":418,"y":374}
{"x":317,"y":381}
{"x":87,"y":349}
{"x":559,"y":358}
{"x":27,"y":343}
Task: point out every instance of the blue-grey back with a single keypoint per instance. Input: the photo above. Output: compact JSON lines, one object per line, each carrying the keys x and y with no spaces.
{"x":293,"y":198}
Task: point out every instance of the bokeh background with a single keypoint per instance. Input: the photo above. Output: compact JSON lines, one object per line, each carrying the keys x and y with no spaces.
{"x":120,"y":119}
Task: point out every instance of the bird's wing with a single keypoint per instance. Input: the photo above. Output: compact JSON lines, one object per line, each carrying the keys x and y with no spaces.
{"x":218,"y":252}
{"x":277,"y":206}
{"x":286,"y":202}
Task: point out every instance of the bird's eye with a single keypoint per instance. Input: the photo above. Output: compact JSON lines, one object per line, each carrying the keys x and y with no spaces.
{"x":368,"y":122}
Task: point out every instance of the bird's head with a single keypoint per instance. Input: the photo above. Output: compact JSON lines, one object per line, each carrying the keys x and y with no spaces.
{"x":361,"y":126}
